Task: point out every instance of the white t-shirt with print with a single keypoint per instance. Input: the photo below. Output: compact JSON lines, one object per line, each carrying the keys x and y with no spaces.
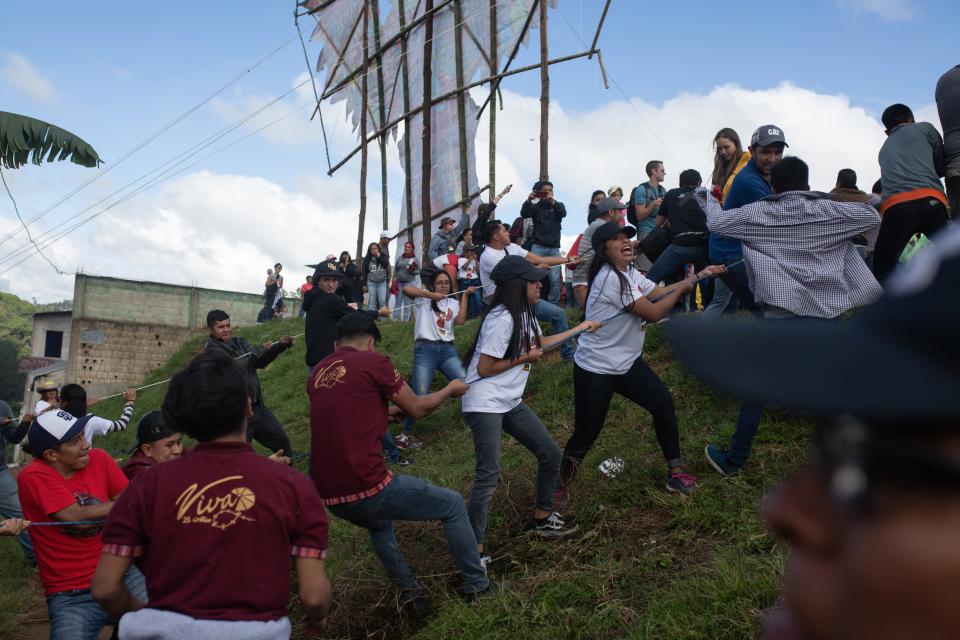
{"x":613,"y":349}
{"x":467,"y":269}
{"x":504,"y":391}
{"x":489,"y":259}
{"x":427,"y":325}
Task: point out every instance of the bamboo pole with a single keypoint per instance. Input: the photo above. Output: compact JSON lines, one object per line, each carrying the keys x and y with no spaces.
{"x":461,"y":103}
{"x":407,"y":169}
{"x":492,"y":98}
{"x":363,"y":132}
{"x":544,"y":95}
{"x":603,"y":17}
{"x":382,"y":139}
{"x":444,"y":96}
{"x":473,"y":196}
{"x":425,"y":167}
{"x":513,"y":54}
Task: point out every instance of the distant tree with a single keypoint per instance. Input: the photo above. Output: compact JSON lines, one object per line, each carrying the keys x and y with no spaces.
{"x":11,"y":380}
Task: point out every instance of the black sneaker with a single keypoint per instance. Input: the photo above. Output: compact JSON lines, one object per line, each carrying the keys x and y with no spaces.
{"x":553,"y":526}
{"x":493,"y":589}
{"x":400,"y":462}
{"x":418,"y":607}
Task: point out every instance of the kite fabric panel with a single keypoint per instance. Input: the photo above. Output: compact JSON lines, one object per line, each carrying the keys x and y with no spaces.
{"x":340,"y":30}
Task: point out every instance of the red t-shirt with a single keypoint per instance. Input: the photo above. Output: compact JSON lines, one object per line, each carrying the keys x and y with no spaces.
{"x":348,"y":418}
{"x":306,"y":286}
{"x":218,"y":527}
{"x":67,"y":557}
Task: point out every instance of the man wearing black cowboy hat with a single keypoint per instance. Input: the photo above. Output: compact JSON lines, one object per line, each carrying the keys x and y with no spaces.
{"x":324,"y":307}
{"x":873,"y":522}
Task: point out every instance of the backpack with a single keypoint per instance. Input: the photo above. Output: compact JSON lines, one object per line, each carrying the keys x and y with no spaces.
{"x":632,"y":207}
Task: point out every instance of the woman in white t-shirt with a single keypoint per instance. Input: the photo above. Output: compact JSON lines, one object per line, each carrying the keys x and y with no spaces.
{"x":508,"y":343}
{"x":435,"y":312}
{"x":610,"y":360}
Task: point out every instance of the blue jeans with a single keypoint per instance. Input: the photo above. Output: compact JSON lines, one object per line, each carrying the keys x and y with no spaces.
{"x":748,"y":419}
{"x":378,"y":295}
{"x":403,"y":305}
{"x":524,"y":425}
{"x":549,"y":252}
{"x":10,"y":508}
{"x":474,"y":302}
{"x":410,"y":498}
{"x":390,"y":447}
{"x":75,"y":615}
{"x":723,"y":299}
{"x":547,"y":312}
{"x":427,"y":358}
{"x":673,"y":260}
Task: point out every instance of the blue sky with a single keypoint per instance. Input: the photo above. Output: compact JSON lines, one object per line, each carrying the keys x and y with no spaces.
{"x":115,"y":72}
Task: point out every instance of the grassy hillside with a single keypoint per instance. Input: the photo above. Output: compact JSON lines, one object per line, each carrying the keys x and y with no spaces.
{"x":644,"y":564}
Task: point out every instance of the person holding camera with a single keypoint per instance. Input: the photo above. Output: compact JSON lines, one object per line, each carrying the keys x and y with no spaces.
{"x":547,"y":215}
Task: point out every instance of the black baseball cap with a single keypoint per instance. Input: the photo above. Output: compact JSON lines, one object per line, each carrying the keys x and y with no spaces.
{"x":51,"y":429}
{"x":766,"y":135}
{"x":513,"y":267}
{"x":327,"y":268}
{"x":608,"y":231}
{"x":898,"y":359}
{"x":150,"y":429}
{"x":609,"y":204}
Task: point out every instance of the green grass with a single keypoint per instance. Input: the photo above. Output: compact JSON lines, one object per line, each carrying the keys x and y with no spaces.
{"x":645,"y":564}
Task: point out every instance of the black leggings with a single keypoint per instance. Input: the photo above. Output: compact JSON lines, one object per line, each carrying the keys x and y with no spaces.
{"x":592,"y":395}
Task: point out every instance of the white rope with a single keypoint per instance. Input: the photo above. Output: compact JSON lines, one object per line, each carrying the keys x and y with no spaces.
{"x":420,"y":299}
{"x":153,"y":384}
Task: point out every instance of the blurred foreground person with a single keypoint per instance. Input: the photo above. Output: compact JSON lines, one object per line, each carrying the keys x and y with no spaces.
{"x":872,"y":524}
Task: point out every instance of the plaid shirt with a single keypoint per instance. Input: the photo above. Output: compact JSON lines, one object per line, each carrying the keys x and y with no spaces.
{"x":798,"y":250}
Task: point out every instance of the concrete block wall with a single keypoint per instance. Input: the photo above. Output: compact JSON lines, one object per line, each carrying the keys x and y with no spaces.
{"x":154,"y":303}
{"x":110,"y":356}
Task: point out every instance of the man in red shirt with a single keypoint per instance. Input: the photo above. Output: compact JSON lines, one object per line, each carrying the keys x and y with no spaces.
{"x":156,"y":443}
{"x":194,"y":521}
{"x":69,"y":482}
{"x":349,"y":391}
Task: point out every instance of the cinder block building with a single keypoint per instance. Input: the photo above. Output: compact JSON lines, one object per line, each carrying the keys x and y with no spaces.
{"x":120,"y":330}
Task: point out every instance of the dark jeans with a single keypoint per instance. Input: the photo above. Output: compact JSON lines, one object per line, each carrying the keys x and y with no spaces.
{"x":674,"y":258}
{"x":474,"y":301}
{"x":75,"y":615}
{"x":750,"y":415}
{"x":264,"y":427}
{"x":10,"y":508}
{"x":592,"y":395}
{"x":900,"y":223}
{"x":549,"y":312}
{"x":524,"y":425}
{"x":737,"y":281}
{"x":953,"y":196}
{"x":410,"y":498}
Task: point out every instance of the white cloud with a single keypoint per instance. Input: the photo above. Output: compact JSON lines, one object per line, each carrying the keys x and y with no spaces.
{"x":223,"y":231}
{"x":894,"y":10}
{"x":20,"y":75}
{"x":611,"y":144}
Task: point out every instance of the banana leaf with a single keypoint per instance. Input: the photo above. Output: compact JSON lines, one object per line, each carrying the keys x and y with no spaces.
{"x":24,"y":139}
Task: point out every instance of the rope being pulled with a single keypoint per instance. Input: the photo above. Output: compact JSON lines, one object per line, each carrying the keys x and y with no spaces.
{"x":154,"y":384}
